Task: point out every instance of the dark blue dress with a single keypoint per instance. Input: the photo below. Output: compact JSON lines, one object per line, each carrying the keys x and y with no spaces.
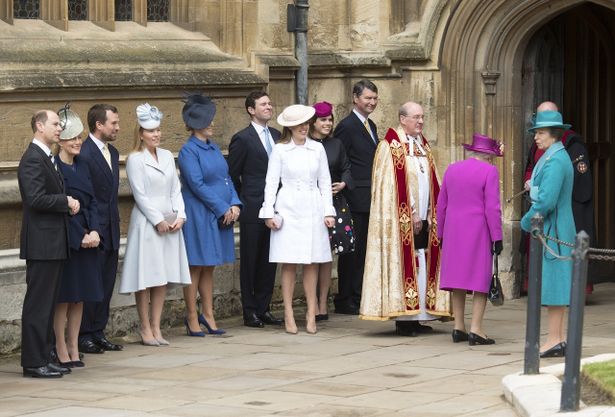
{"x":208,"y":193}
{"x":81,"y":279}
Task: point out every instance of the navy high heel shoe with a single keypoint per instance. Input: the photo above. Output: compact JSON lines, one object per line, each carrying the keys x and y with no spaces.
{"x":209,"y":329}
{"x":190,"y":332}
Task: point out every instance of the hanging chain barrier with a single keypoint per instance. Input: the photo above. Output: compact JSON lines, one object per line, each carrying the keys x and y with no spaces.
{"x":599,"y":254}
{"x":580,"y":255}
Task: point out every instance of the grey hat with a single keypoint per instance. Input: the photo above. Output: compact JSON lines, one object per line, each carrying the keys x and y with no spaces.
{"x":70,"y":123}
{"x":199,"y":111}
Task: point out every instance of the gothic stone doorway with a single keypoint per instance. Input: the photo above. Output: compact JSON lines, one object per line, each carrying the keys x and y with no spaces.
{"x":571,"y":61}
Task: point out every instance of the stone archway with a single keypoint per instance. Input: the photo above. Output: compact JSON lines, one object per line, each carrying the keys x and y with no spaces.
{"x":481,"y":63}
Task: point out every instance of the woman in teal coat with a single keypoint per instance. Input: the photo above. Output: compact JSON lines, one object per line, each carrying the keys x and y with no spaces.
{"x":551,"y":195}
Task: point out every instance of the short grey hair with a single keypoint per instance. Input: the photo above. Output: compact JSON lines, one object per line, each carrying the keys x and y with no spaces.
{"x":479,"y":155}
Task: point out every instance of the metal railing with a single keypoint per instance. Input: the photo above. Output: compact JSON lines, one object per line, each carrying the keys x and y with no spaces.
{"x":581,"y":253}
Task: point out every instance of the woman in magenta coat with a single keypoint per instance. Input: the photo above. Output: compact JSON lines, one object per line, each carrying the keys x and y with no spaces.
{"x":470,"y":229}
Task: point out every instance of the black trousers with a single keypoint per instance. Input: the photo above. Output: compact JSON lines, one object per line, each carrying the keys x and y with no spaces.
{"x":256,"y":273}
{"x":43,"y":284}
{"x":96,"y":315}
{"x":350,"y":267}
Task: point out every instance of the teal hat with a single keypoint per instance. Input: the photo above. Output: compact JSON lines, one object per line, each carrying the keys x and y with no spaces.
{"x":549,"y":118}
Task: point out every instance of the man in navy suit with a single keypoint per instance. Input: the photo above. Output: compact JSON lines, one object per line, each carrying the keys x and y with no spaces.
{"x":248,"y":158}
{"x":103,"y":160}
{"x":44,"y":244}
{"x":360,"y":138}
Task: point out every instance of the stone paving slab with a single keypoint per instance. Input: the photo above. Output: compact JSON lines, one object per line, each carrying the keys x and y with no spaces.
{"x":350,"y":368}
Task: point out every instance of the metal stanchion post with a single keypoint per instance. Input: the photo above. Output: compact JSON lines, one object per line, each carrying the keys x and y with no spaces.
{"x":531,"y":363}
{"x":571,"y":387}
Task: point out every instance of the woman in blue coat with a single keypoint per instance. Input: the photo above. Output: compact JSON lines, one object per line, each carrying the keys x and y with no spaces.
{"x":212,"y":207}
{"x":551,"y":195}
{"x":81,"y":279}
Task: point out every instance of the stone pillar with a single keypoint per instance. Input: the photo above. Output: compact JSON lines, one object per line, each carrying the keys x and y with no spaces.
{"x":183,"y":14}
{"x":102,"y":13}
{"x":231,"y":19}
{"x":139,"y":12}
{"x":6,"y":11}
{"x":55,"y":13}
{"x":364,"y":23}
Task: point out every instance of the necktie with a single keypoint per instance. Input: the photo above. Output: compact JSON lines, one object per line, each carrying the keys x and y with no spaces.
{"x":53,"y":161}
{"x":267,"y":141}
{"x":369,"y":129}
{"x":107,"y":155}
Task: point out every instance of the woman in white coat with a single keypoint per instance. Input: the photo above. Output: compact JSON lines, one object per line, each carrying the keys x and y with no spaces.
{"x":155,"y":253}
{"x":300,"y":212}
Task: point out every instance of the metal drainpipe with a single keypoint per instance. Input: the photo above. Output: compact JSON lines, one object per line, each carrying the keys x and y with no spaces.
{"x":301,"y":52}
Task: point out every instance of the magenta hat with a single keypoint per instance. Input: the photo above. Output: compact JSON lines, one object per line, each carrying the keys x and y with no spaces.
{"x":483,"y":144}
{"x":323,"y":109}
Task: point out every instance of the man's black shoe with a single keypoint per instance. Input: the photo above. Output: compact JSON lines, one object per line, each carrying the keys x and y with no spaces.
{"x":253,"y":321}
{"x":269,"y":318}
{"x":41,"y":372}
{"x":347,"y":309}
{"x":88,"y":346}
{"x":105,"y":344}
{"x":57,"y":368}
{"x":405,"y":328}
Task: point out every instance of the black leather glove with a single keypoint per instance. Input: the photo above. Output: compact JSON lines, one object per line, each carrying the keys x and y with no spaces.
{"x":497,"y":247}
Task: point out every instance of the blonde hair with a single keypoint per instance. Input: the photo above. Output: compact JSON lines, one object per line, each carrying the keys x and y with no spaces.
{"x":137,"y":143}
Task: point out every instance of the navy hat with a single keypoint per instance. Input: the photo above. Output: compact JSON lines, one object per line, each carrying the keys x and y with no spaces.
{"x":199,"y":111}
{"x":549,"y":118}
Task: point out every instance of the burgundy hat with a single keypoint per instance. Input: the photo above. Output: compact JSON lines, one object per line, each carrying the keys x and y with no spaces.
{"x":483,"y":144}
{"x":323,"y":109}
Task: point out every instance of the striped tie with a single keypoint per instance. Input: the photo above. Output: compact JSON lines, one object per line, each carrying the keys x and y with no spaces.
{"x":369,"y":129}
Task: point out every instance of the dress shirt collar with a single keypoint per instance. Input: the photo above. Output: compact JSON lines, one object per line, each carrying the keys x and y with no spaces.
{"x":360,"y":116}
{"x":259,"y":128}
{"x":98,"y":142}
{"x":41,"y":145}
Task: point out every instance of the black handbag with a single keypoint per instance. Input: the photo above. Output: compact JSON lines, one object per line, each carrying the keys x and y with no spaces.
{"x":495,"y":295}
{"x":341,"y":236}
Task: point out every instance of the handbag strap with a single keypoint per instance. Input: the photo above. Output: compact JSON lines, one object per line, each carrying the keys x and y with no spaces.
{"x":495,"y":266}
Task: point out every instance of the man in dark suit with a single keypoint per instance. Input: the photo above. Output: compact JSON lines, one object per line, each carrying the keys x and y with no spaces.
{"x":103,"y":160}
{"x":248,"y":158}
{"x":360,"y":138}
{"x":44,"y":244}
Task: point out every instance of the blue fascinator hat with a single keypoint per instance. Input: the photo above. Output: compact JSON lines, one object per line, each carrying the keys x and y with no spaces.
{"x":198,"y":111}
{"x":148,"y":117}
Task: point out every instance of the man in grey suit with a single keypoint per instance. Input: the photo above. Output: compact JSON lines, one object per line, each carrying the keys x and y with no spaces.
{"x":44,"y":243}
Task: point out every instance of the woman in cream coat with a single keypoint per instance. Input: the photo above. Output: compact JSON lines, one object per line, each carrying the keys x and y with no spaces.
{"x":300,"y":212}
{"x":155,"y":253}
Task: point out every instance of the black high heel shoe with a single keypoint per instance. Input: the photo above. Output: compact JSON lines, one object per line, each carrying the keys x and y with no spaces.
{"x":474,"y":339}
{"x":556,"y":351}
{"x":190,"y":332}
{"x":209,"y":329}
{"x":459,"y":336}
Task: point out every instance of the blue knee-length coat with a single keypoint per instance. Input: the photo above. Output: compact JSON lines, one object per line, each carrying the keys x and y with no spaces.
{"x":551,"y":194}
{"x":208,"y":193}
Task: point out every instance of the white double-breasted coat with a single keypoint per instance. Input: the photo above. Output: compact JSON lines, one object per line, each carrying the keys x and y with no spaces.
{"x":303,"y":201}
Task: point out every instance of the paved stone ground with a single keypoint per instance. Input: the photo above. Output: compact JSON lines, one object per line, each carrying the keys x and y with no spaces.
{"x":350,"y":368}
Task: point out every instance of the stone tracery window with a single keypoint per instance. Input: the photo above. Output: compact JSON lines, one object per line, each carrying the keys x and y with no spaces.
{"x":157,"y":10}
{"x":26,"y":9}
{"x":77,"y":10}
{"x":123,"y":10}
